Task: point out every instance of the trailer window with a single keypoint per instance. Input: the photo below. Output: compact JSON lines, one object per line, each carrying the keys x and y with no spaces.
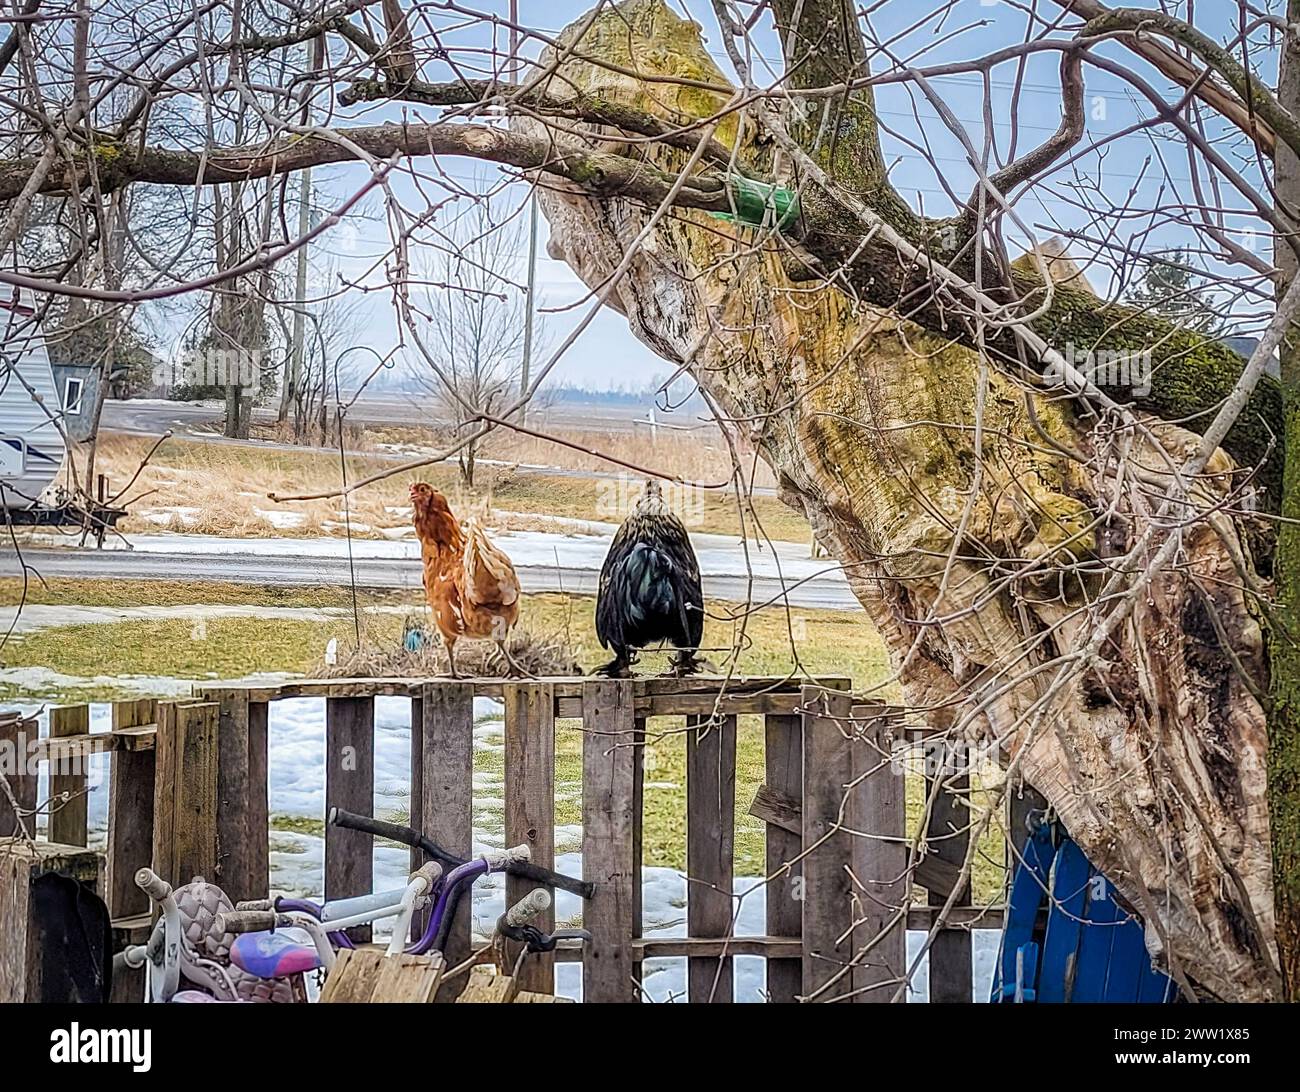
{"x":72,"y":389}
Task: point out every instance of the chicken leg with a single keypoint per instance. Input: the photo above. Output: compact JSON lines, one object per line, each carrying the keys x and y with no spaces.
{"x":517,"y":670}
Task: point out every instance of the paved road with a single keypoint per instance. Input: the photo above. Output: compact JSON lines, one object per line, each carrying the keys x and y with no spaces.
{"x":239,"y":568}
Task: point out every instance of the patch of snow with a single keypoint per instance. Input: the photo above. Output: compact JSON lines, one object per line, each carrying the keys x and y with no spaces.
{"x":164,"y":514}
{"x":278,"y":518}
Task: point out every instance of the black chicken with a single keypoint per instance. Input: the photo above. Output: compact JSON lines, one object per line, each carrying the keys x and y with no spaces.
{"x":650,"y":588}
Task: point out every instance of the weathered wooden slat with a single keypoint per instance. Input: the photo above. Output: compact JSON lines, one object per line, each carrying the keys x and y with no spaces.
{"x":18,"y":737}
{"x":164,"y":813}
{"x":67,"y":819}
{"x":527,"y":997}
{"x":234,"y":833}
{"x":197,"y":762}
{"x":447,"y":798}
{"x":131,"y":779}
{"x":259,"y":818}
{"x":710,"y":848}
{"x":189,"y":782}
{"x":134,"y":712}
{"x":72,"y":748}
{"x":783,"y":759}
{"x":408,"y":979}
{"x":828,"y":911}
{"x":486,"y":987}
{"x":947,"y":839}
{"x":530,"y":805}
{"x":83,"y":745}
{"x":703,"y":705}
{"x":353,"y":978}
{"x":349,"y":784}
{"x":612,"y":746}
{"x":777,"y":809}
{"x":139,"y":738}
{"x":774,"y":949}
{"x":879,"y":861}
{"x":696,"y":693}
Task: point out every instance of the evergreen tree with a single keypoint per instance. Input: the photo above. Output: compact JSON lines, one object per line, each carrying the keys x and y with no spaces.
{"x":1171,"y":286}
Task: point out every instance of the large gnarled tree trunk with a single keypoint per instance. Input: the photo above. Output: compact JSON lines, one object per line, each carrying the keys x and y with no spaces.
{"x":960,"y":542}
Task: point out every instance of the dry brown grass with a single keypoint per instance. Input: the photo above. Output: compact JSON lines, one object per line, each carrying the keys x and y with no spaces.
{"x":536,"y":654}
{"x":221,"y":489}
{"x":700,"y":455}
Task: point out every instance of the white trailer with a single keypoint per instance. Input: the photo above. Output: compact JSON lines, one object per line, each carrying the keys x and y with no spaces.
{"x":31,"y":444}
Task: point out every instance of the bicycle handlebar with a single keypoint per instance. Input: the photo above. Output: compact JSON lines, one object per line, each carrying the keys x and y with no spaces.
{"x":523,"y":869}
{"x":255,"y":904}
{"x":430,"y":872}
{"x":152,"y":884}
{"x":535,"y":902}
{"x":250,"y":921}
{"x":516,"y":924}
{"x":498,"y":860}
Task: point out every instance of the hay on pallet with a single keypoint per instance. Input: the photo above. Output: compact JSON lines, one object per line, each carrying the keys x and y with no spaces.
{"x":538,"y":655}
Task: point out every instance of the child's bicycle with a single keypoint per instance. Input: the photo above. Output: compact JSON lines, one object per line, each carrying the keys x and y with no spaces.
{"x":263,"y":950}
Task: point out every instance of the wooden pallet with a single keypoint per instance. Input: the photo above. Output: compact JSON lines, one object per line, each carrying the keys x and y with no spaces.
{"x":487,"y":987}
{"x":368,"y":976}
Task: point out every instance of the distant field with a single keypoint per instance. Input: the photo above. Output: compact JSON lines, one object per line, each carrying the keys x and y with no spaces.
{"x":221,"y":489}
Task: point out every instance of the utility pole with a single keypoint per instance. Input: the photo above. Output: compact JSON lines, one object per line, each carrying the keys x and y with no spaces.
{"x":526,"y":361}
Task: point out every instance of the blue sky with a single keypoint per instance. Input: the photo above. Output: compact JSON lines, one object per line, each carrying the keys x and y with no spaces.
{"x":607,"y":355}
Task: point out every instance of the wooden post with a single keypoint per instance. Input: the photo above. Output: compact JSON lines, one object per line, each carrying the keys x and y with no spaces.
{"x":827,"y":889}
{"x":349,"y":784}
{"x":259,"y":818}
{"x":530,"y":805}
{"x":710,"y":850}
{"x":445,"y":808}
{"x":948,"y":836}
{"x":612,"y":745}
{"x":783,"y":758}
{"x":66,"y":822}
{"x":879,"y":861}
{"x":234,"y":859}
{"x":25,"y":933}
{"x":17,"y":735}
{"x":185,"y":794}
{"x":131,"y":778}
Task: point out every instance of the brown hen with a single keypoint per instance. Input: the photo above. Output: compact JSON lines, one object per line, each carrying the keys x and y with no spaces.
{"x":470,"y":584}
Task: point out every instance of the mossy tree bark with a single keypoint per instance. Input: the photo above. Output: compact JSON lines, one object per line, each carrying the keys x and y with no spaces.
{"x":976,"y":521}
{"x":1284,"y":719}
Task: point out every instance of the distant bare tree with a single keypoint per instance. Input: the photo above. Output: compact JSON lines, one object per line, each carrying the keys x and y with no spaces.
{"x":475,"y":320}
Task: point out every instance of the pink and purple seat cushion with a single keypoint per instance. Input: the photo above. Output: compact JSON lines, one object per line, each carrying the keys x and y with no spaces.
{"x":273,"y":954}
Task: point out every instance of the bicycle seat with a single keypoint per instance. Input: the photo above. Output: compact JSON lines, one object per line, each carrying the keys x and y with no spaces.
{"x":273,"y":954}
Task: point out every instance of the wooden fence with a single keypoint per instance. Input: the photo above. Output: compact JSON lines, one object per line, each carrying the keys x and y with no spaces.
{"x":188,"y":791}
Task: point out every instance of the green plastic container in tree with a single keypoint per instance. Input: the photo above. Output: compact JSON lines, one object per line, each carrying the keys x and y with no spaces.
{"x":760,"y":202}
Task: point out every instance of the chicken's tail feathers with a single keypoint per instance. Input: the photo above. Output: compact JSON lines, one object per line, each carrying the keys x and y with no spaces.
{"x":489,"y":575}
